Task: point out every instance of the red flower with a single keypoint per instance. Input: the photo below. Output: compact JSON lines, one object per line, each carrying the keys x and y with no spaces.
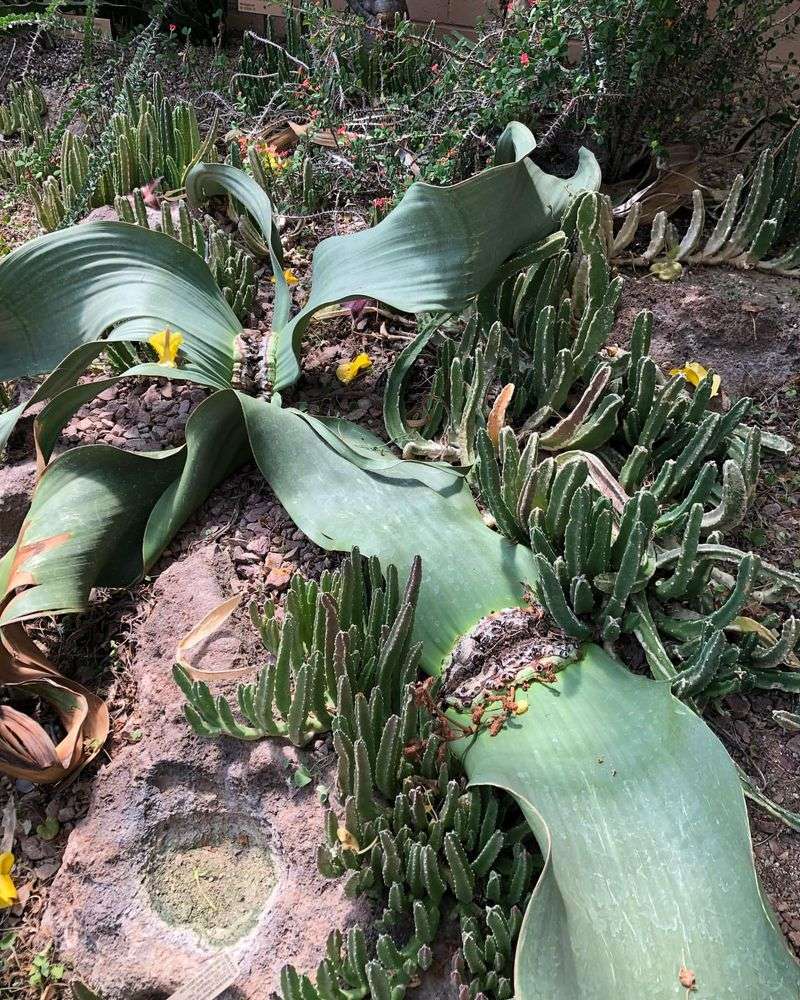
{"x":524,"y":58}
{"x":435,"y":68}
{"x":172,"y":27}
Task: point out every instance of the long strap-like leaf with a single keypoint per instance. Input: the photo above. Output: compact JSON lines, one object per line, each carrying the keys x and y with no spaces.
{"x":648,"y":863}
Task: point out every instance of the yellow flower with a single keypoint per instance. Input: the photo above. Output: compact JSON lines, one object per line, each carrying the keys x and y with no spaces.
{"x":8,"y":891}
{"x":288,"y":276}
{"x":166,"y":344}
{"x":350,"y":369}
{"x":666,"y":270}
{"x":273,"y":161}
{"x":694,"y":372}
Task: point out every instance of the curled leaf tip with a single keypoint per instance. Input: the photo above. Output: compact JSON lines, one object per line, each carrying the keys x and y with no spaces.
{"x":349,"y":370}
{"x":694,"y":372}
{"x":166,"y":343}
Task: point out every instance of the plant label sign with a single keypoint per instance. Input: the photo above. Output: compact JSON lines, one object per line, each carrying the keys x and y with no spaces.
{"x":214,"y":977}
{"x":259,"y":7}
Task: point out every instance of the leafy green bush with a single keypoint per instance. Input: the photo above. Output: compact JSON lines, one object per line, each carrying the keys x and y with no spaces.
{"x":660,"y":70}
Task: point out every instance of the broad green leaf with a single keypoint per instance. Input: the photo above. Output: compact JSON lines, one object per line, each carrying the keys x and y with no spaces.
{"x":63,"y":292}
{"x":205,"y":180}
{"x":441,"y":245}
{"x":72,"y":286}
{"x":101,"y":516}
{"x":394,"y":417}
{"x":635,"y":803}
{"x":349,"y":490}
{"x":649,"y":867}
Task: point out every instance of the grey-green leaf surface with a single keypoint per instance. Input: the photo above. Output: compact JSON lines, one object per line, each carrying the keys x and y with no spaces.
{"x":205,"y":180}
{"x":100,"y":516}
{"x":63,"y":292}
{"x":441,"y":245}
{"x":72,"y":286}
{"x":649,"y":866}
{"x":342,"y":488}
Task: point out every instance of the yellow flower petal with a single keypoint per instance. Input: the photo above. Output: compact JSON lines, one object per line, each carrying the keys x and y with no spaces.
{"x":350,"y":369}
{"x":347,"y":840}
{"x":694,"y":372}
{"x":288,"y":276}
{"x":272,"y":160}
{"x":166,"y":344}
{"x":8,"y":891}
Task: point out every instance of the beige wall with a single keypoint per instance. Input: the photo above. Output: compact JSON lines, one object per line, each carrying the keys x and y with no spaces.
{"x":459,"y":14}
{"x":243,"y":14}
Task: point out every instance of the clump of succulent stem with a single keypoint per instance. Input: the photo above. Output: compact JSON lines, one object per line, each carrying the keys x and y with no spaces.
{"x":751,"y":231}
{"x":148,"y":138}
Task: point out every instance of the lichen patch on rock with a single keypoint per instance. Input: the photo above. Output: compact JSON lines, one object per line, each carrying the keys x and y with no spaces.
{"x":217,"y":887}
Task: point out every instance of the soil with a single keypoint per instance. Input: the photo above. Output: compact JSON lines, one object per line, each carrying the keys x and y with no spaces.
{"x":743,"y":325}
{"x":170,"y":847}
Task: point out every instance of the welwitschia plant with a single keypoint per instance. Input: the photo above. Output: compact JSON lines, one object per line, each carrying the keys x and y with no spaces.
{"x":606,"y":499}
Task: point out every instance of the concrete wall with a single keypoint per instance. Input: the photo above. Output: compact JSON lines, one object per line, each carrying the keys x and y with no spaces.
{"x":460,"y":15}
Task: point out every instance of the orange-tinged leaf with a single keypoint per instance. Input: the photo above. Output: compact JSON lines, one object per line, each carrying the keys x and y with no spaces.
{"x":497,"y":416}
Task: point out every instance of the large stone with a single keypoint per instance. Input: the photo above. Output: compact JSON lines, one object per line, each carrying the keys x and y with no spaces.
{"x":193,"y":845}
{"x":16,"y":487}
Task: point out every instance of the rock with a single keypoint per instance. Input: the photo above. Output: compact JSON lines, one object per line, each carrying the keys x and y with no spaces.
{"x":16,"y":487}
{"x":36,"y":849}
{"x":105,"y":213}
{"x":191,"y":844}
{"x":739,"y":706}
{"x":279,"y":579}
